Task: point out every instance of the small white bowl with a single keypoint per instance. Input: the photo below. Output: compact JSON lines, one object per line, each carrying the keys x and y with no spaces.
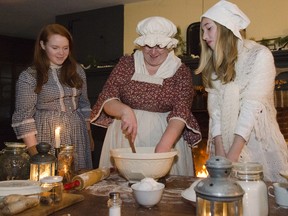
{"x":189,"y":193}
{"x":148,"y":198}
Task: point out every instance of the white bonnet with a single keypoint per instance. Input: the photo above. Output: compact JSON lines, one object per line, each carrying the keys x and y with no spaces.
{"x":156,"y":31}
{"x":228,"y":15}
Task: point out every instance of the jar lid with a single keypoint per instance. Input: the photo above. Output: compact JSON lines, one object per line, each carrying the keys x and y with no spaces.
{"x":248,"y":167}
{"x":68,"y":147}
{"x":15,"y":145}
{"x":51,"y":179}
{"x":114,"y":195}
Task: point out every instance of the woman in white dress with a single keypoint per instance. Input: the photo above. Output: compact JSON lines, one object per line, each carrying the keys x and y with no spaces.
{"x":239,"y":77}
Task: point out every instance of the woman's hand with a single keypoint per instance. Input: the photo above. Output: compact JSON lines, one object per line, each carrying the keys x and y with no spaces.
{"x":219,"y":148}
{"x":170,"y":136}
{"x":92,"y":144}
{"x":31,"y":143}
{"x":162,"y":148}
{"x":129,"y":123}
{"x":121,"y":111}
{"x":236,"y":148}
{"x":234,"y":151}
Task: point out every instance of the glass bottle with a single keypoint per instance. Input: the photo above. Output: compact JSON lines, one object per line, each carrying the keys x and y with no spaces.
{"x":65,"y":163}
{"x":14,"y":162}
{"x":250,"y":176}
{"x":114,"y":203}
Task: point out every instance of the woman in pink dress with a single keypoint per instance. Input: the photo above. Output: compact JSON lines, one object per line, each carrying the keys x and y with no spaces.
{"x":148,"y":99}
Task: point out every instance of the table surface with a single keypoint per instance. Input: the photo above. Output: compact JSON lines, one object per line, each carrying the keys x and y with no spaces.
{"x":172,"y":203}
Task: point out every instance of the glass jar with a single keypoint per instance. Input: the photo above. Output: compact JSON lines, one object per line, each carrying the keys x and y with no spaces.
{"x":65,"y":163}
{"x":51,"y":190}
{"x":250,"y":176}
{"x":114,"y":203}
{"x":14,"y":162}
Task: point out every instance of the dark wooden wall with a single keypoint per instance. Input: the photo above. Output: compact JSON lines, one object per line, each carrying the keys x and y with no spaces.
{"x":15,"y":55}
{"x":98,"y":34}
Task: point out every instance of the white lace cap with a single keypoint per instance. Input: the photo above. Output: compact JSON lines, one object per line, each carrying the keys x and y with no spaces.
{"x":228,"y":15}
{"x":156,"y":31}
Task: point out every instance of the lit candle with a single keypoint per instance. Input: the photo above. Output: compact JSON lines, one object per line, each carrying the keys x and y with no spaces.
{"x":57,"y":137}
{"x":65,"y":168}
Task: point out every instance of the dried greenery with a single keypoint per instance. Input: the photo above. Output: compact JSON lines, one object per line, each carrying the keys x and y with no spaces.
{"x":278,"y":43}
{"x":181,"y":47}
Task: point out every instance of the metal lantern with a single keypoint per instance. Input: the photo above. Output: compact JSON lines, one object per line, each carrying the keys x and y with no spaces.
{"x":219,"y":195}
{"x":43,"y":163}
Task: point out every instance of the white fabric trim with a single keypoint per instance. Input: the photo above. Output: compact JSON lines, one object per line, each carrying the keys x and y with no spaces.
{"x":27,"y":135}
{"x":74,"y":90}
{"x":100,"y":110}
{"x":55,"y":77}
{"x":31,"y":120}
{"x":147,"y":78}
{"x":166,"y":70}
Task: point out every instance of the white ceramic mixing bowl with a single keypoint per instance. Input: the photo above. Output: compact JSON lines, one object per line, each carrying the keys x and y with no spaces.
{"x":144,"y":163}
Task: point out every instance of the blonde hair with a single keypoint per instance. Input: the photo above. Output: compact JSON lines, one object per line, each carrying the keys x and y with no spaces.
{"x":222,"y":60}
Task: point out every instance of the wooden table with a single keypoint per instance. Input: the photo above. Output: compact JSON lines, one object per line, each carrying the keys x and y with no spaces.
{"x":172,"y":202}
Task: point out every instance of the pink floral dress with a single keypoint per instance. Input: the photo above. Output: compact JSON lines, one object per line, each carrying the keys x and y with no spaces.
{"x":154,"y":105}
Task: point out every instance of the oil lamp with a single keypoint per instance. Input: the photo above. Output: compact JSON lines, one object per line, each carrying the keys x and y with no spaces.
{"x":218,"y":194}
{"x":43,"y":163}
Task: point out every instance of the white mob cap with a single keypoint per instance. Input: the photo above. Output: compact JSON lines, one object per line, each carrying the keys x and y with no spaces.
{"x":156,"y":31}
{"x":228,"y":15}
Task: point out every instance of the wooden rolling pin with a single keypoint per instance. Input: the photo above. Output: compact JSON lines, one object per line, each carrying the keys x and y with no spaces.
{"x":79,"y":182}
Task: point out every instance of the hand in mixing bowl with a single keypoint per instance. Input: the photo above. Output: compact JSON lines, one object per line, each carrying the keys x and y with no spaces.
{"x":170,"y":136}
{"x":127,"y":116}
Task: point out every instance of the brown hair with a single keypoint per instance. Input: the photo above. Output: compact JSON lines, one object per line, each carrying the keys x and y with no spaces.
{"x":41,"y":62}
{"x":222,"y":60}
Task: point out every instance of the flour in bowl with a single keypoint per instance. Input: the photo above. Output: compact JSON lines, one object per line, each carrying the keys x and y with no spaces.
{"x":148,"y":184}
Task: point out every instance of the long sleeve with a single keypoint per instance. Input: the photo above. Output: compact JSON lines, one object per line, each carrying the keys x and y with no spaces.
{"x":257,"y":94}
{"x":120,"y":75}
{"x":183,"y":98}
{"x":214,"y":112}
{"x":23,"y":121}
